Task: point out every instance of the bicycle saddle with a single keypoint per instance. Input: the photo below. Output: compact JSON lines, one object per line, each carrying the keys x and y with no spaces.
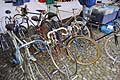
{"x":42,"y":11}
{"x":35,"y":18}
{"x":55,"y":5}
{"x":7,"y":11}
{"x":51,"y":14}
{"x":10,"y":27}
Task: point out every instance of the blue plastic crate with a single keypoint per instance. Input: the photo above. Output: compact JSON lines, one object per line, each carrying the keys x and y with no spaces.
{"x":105,"y":14}
{"x":105,"y":29}
{"x":108,"y":28}
{"x":119,"y":13}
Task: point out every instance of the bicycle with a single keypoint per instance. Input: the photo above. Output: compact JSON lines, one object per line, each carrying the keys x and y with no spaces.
{"x":112,"y":44}
{"x":58,"y":53}
{"x":77,"y":21}
{"x":32,"y":69}
{"x":73,"y":41}
{"x":74,"y":21}
{"x":42,"y":18}
{"x":11,"y":28}
{"x":5,"y":40}
{"x":27,"y":62}
{"x":5,"y":43}
{"x":74,"y":33}
{"x":72,"y":44}
{"x":44,"y":21}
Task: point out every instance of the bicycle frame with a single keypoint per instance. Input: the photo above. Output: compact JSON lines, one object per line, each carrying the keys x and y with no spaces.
{"x":54,"y":41}
{"x":29,"y":57}
{"x":114,"y":37}
{"x":18,"y":57}
{"x":24,"y":12}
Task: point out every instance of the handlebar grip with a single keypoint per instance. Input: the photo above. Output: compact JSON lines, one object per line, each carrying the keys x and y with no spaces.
{"x":63,"y":29}
{"x":74,"y":9}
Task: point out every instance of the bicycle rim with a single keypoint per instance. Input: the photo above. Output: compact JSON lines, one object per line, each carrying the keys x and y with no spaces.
{"x":52,"y":67}
{"x":86,"y":31}
{"x":83,"y":30}
{"x":112,"y":50}
{"x":33,"y":70}
{"x":86,"y":50}
{"x":63,"y":63}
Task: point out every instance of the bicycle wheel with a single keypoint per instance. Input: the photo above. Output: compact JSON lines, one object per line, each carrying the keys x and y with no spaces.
{"x":62,"y":62}
{"x":56,"y":69}
{"x":77,"y":27}
{"x":30,"y":66}
{"x":52,"y":67}
{"x":83,"y":30}
{"x":85,"y":49}
{"x":33,"y":70}
{"x":19,"y":19}
{"x":112,"y":49}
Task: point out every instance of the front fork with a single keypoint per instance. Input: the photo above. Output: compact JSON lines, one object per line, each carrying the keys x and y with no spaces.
{"x":115,"y":36}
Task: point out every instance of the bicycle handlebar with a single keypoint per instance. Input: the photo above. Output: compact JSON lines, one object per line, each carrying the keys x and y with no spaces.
{"x":26,"y":44}
{"x":24,"y":11}
{"x":55,"y":30}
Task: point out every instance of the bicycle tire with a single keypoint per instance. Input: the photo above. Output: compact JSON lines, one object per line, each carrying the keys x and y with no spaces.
{"x":84,"y":30}
{"x":112,"y":50}
{"x":34,"y":71}
{"x":49,"y":51}
{"x":30,"y":65}
{"x":62,"y":62}
{"x":83,"y":44}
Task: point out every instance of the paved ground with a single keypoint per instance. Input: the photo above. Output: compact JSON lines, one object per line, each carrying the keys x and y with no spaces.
{"x":102,"y":70}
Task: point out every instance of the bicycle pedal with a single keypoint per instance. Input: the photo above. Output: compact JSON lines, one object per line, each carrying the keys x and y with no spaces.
{"x":32,"y":58}
{"x":75,"y":77}
{"x":54,"y":72}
